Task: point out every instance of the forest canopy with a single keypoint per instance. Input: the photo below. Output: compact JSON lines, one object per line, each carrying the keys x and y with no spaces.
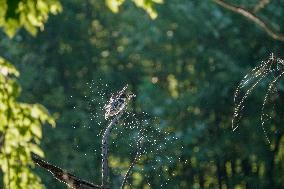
{"x":62,"y":61}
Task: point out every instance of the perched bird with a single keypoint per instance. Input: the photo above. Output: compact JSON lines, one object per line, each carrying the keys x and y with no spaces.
{"x":117,"y":103}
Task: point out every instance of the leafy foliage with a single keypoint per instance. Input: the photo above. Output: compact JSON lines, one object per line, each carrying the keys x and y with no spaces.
{"x":30,"y":14}
{"x":147,"y":5}
{"x":20,"y":132}
{"x":183,"y":66}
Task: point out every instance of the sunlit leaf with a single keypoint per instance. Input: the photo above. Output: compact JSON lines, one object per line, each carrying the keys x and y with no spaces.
{"x":113,"y":5}
{"x":21,"y":125}
{"x":29,"y":14}
{"x":147,"y":5}
{"x":36,"y":149}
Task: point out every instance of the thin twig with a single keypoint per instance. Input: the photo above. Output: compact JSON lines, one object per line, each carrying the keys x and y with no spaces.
{"x":105,"y":149}
{"x":136,"y":158}
{"x":252,"y":17}
{"x":63,"y":176}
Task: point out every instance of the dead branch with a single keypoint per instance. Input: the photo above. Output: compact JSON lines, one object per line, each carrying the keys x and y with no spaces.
{"x":115,"y":107}
{"x":63,"y":176}
{"x":252,"y":17}
{"x":76,"y":183}
{"x":105,"y":149}
{"x":136,"y":158}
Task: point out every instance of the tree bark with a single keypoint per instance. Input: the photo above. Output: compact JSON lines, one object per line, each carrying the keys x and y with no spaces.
{"x":63,"y":176}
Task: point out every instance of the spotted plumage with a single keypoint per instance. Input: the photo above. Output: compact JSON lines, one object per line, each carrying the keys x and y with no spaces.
{"x":117,"y":103}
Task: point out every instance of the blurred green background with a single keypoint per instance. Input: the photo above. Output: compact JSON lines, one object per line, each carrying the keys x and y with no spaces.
{"x":183,"y":67}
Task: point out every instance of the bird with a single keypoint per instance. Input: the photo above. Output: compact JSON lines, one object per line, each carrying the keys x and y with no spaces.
{"x":117,"y":103}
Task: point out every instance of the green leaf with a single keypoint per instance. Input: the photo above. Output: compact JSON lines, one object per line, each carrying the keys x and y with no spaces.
{"x":147,"y":5}
{"x":36,"y":149}
{"x":7,"y":69}
{"x":29,"y":14}
{"x":114,"y":5}
{"x":21,"y":126}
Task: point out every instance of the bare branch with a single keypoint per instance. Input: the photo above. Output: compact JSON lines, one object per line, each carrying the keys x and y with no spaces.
{"x":260,"y":5}
{"x":63,"y":176}
{"x":105,"y":149}
{"x":252,"y":17}
{"x":72,"y":181}
{"x":115,"y":107}
{"x":136,"y":158}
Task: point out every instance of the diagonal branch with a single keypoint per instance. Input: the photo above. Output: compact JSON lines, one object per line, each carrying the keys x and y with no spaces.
{"x":136,"y":158}
{"x":105,"y":144}
{"x":63,"y":176}
{"x":252,"y":17}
